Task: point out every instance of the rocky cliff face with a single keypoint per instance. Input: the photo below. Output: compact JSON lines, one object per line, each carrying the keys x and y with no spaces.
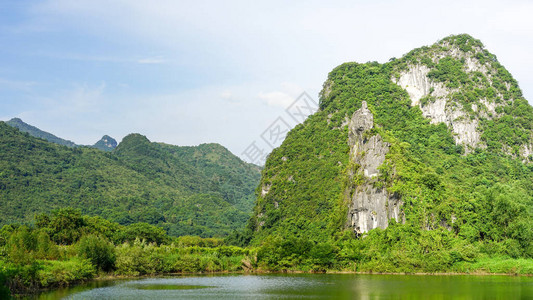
{"x":371,"y":205}
{"x":423,"y":139}
{"x":478,"y":94}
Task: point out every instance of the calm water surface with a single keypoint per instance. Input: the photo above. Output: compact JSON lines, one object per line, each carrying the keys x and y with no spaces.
{"x":305,"y":286}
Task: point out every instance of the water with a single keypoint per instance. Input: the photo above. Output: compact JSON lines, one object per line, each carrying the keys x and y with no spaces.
{"x":305,"y":286}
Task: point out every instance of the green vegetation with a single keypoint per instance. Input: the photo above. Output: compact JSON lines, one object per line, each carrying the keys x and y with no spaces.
{"x":462,"y":212}
{"x":204,"y":190}
{"x":106,"y":143}
{"x":82,"y":247}
{"x":36,"y":132}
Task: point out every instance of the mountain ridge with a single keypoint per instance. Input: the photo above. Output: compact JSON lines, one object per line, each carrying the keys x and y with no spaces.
{"x":140,"y":181}
{"x":38,"y":133}
{"x":106,"y":143}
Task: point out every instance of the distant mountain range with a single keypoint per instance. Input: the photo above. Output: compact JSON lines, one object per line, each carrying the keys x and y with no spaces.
{"x":203,"y":190}
{"x":106,"y":143}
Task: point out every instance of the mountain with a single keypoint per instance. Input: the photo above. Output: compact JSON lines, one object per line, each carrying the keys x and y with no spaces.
{"x":210,"y":194}
{"x":38,"y":133}
{"x":414,"y":164}
{"x":106,"y":143}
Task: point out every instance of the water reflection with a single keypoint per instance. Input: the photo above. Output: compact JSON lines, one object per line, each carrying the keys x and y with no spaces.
{"x":305,"y":286}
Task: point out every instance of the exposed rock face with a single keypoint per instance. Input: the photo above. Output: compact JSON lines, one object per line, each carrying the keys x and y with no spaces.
{"x":440,"y":107}
{"x":370,"y":207}
{"x":526,"y":151}
{"x":106,"y":143}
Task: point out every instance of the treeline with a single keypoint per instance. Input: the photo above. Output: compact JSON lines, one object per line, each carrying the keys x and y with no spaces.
{"x":66,"y":247}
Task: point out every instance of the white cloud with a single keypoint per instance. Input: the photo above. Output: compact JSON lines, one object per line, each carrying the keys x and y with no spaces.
{"x":280,"y":99}
{"x":152,"y":60}
{"x":288,"y":94}
{"x":228,"y":96}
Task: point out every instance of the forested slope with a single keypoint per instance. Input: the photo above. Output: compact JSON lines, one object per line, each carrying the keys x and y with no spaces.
{"x":456,"y":131}
{"x":138,"y":182}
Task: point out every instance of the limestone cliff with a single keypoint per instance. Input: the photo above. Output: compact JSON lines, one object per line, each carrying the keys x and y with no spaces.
{"x":428,"y":139}
{"x":479,"y":93}
{"x":371,"y":205}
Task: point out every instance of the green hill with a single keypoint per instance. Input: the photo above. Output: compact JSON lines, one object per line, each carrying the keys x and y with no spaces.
{"x":138,"y":182}
{"x":106,"y":143}
{"x":414,"y":164}
{"x":38,"y":133}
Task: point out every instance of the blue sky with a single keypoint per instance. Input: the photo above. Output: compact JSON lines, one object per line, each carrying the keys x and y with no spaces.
{"x":191,"y":72}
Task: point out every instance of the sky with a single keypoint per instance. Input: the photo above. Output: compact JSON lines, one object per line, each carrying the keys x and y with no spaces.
{"x":192,"y":72}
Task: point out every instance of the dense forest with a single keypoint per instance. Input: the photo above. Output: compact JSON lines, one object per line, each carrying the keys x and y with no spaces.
{"x":203,"y":190}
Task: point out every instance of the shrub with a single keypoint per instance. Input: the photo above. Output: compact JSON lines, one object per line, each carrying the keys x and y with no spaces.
{"x":62,"y":273}
{"x":98,"y":251}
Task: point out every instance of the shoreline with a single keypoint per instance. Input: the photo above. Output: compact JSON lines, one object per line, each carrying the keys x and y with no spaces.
{"x":261,"y":272}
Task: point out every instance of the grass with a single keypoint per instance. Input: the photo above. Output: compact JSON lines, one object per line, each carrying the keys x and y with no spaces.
{"x":497,"y":265}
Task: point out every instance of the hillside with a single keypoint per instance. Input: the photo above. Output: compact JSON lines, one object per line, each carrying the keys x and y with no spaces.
{"x":427,"y":157}
{"x":106,"y":143}
{"x":38,"y":133}
{"x":140,"y":181}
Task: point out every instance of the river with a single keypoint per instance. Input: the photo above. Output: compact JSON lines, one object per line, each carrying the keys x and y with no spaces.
{"x":304,"y":286}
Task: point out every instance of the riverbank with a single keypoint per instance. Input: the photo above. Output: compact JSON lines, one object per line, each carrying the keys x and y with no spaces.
{"x":140,"y":260}
{"x":37,"y":259}
{"x":113,"y":276}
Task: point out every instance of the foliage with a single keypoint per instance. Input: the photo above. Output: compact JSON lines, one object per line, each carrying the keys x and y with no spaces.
{"x":31,"y":261}
{"x":203,"y":190}
{"x":36,"y":132}
{"x":62,"y":273}
{"x":100,"y":252}
{"x":450,"y":71}
{"x":458,"y":208}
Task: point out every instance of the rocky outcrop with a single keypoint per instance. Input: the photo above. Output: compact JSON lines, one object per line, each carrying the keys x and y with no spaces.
{"x":371,"y":205}
{"x":106,"y":143}
{"x":526,"y":152}
{"x":438,"y":105}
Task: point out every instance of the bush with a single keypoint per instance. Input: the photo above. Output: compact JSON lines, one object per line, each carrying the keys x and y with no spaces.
{"x":190,"y":264}
{"x":130,"y":259}
{"x":144,"y":231}
{"x":322,"y":256}
{"x":4,"y":291}
{"x":98,"y":251}
{"x":63,"y":273}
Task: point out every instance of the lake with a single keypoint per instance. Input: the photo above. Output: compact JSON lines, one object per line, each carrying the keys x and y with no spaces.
{"x":304,"y":286}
